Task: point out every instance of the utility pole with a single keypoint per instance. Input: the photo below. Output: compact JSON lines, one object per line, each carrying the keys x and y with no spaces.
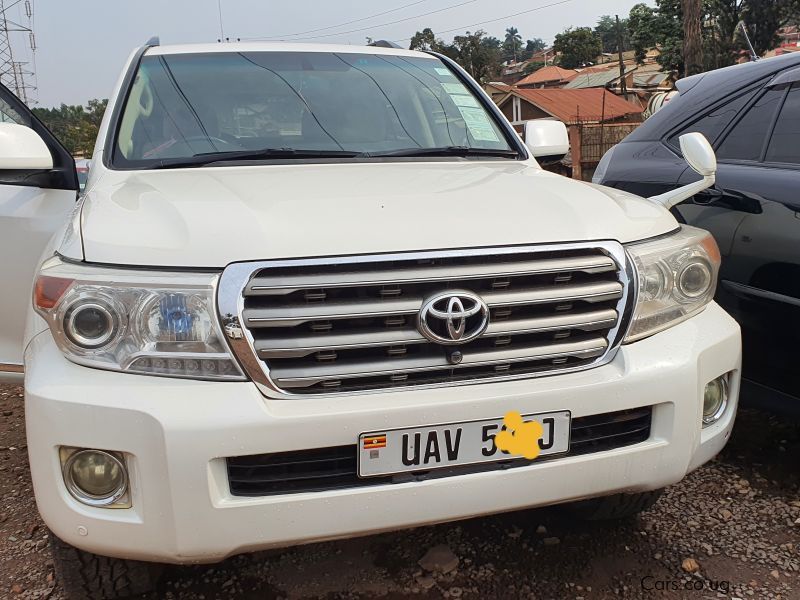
{"x":623,"y":86}
{"x":692,"y":38}
{"x":13,"y":72}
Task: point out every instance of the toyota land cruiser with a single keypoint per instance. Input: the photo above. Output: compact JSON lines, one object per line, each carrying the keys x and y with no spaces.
{"x":302,"y":289}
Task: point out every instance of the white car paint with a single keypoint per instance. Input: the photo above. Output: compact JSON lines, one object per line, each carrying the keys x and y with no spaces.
{"x":175,"y":433}
{"x":214,"y":216}
{"x":28,"y":219}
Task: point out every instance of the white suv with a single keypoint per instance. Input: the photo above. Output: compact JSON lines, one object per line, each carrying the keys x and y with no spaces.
{"x":304,"y":286}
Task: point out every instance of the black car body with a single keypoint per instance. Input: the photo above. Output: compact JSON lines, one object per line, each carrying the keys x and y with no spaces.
{"x":751,"y":115}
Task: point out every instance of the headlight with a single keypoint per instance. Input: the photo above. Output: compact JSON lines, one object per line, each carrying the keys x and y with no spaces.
{"x":150,"y":322}
{"x":677,"y":277}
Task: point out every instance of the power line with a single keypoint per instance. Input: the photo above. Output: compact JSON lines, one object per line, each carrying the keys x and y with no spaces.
{"x":523,"y":12}
{"x":380,"y":14}
{"x":327,"y":35}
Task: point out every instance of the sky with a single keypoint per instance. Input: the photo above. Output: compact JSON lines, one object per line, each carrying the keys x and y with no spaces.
{"x":82,"y":45}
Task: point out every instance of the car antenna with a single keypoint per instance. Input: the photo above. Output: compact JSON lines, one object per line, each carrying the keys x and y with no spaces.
{"x":740,"y":25}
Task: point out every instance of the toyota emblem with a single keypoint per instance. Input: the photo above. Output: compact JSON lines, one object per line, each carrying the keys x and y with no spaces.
{"x":454,"y":317}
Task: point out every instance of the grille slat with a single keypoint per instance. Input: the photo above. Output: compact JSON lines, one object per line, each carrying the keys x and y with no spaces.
{"x":279,"y":473}
{"x":293,"y":315}
{"x":347,"y":325}
{"x":298,"y":377}
{"x":292,"y":347}
{"x":278,"y":285}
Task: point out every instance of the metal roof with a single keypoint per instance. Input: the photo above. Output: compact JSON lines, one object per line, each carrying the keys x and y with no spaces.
{"x":577,"y":105}
{"x":547,"y":74}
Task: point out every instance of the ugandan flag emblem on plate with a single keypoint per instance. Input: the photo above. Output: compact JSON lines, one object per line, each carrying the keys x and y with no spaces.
{"x":373,"y":442}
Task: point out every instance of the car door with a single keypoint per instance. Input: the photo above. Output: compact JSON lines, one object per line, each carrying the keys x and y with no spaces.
{"x":34,"y":203}
{"x":754,"y":213}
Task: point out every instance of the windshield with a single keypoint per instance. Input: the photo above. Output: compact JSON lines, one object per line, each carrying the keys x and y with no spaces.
{"x":184,"y":105}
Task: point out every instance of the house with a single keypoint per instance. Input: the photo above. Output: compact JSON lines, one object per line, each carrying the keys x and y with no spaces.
{"x":547,"y":77}
{"x":593,"y":105}
{"x":496,"y":90}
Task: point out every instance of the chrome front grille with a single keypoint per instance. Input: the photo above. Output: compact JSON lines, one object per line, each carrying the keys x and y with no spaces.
{"x":350,"y":324}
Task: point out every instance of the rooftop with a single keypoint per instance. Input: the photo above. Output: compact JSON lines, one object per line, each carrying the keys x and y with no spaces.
{"x":279,"y":47}
{"x":592,"y":104}
{"x":547,"y":74}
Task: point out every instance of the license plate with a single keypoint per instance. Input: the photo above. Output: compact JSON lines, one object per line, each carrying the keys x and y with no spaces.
{"x":439,"y":446}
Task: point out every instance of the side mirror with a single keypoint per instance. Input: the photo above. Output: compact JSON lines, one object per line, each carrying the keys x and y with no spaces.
{"x":699,"y":154}
{"x":546,"y":138}
{"x":701,"y":158}
{"x":21,"y":148}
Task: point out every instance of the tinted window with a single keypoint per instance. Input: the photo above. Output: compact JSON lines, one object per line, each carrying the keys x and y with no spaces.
{"x":785,"y":143}
{"x":746,"y":140}
{"x":714,"y":122}
{"x":183,"y":105}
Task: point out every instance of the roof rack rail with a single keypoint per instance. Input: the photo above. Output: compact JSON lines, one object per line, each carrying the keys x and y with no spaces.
{"x":384,"y":44}
{"x":153,"y":41}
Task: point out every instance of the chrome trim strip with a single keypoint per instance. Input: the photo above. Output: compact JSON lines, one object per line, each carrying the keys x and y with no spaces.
{"x":7,"y":368}
{"x":236,"y":276}
{"x":300,"y":346}
{"x":478,"y":359}
{"x":589,"y":292}
{"x":585,"y":264}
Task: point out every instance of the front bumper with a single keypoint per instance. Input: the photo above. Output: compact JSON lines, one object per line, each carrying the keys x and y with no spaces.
{"x":176,"y":434}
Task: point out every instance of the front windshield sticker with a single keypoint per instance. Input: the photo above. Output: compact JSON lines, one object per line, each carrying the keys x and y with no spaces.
{"x":478,"y":124}
{"x":465,"y":101}
{"x":443,"y":72}
{"x":455,"y":88}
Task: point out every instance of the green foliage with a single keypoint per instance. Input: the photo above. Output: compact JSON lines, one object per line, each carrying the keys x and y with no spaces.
{"x":643,"y":29}
{"x":606,"y":30}
{"x":426,"y":40}
{"x":578,"y":47}
{"x":512,"y":45}
{"x":533,"y":46}
{"x":531,"y":67}
{"x":479,"y":54}
{"x":75,"y":126}
{"x":722,"y":41}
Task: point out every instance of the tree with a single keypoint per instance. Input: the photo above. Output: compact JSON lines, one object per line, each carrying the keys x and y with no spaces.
{"x":533,"y":46}
{"x":578,"y":47}
{"x":721,"y":42}
{"x":692,"y":37}
{"x":512,"y":45}
{"x":75,"y":126}
{"x":606,"y":31}
{"x":531,"y":67}
{"x":426,"y":40}
{"x":479,"y":55}
{"x":643,"y":29}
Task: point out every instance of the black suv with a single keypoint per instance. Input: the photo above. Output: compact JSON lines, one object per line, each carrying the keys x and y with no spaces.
{"x":751,"y":115}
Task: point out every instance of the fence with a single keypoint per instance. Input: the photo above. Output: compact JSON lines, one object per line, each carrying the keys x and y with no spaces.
{"x":589,"y":141}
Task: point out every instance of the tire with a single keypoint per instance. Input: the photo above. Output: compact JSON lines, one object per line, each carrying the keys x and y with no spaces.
{"x":618,"y":506}
{"x":86,"y":576}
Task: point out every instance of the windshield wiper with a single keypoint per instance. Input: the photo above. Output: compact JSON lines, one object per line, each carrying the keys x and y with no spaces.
{"x":214,"y":158}
{"x":445,"y":151}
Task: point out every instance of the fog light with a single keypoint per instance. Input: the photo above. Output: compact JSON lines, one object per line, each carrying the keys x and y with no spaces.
{"x":715,"y":399}
{"x":95,"y":477}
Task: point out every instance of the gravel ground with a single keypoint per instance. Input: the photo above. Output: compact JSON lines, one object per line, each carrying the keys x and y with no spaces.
{"x":729,"y":530}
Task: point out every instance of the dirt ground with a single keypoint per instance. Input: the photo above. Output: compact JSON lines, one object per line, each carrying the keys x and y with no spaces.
{"x":729,"y":530}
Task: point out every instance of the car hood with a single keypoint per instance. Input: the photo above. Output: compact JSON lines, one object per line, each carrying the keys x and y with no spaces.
{"x":210,"y":217}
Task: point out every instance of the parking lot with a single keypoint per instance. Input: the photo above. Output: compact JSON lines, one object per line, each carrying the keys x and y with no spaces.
{"x":730,"y":530}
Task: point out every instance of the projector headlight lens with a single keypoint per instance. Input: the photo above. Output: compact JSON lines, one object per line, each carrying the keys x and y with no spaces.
{"x":677,"y":277}
{"x":151,"y":322}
